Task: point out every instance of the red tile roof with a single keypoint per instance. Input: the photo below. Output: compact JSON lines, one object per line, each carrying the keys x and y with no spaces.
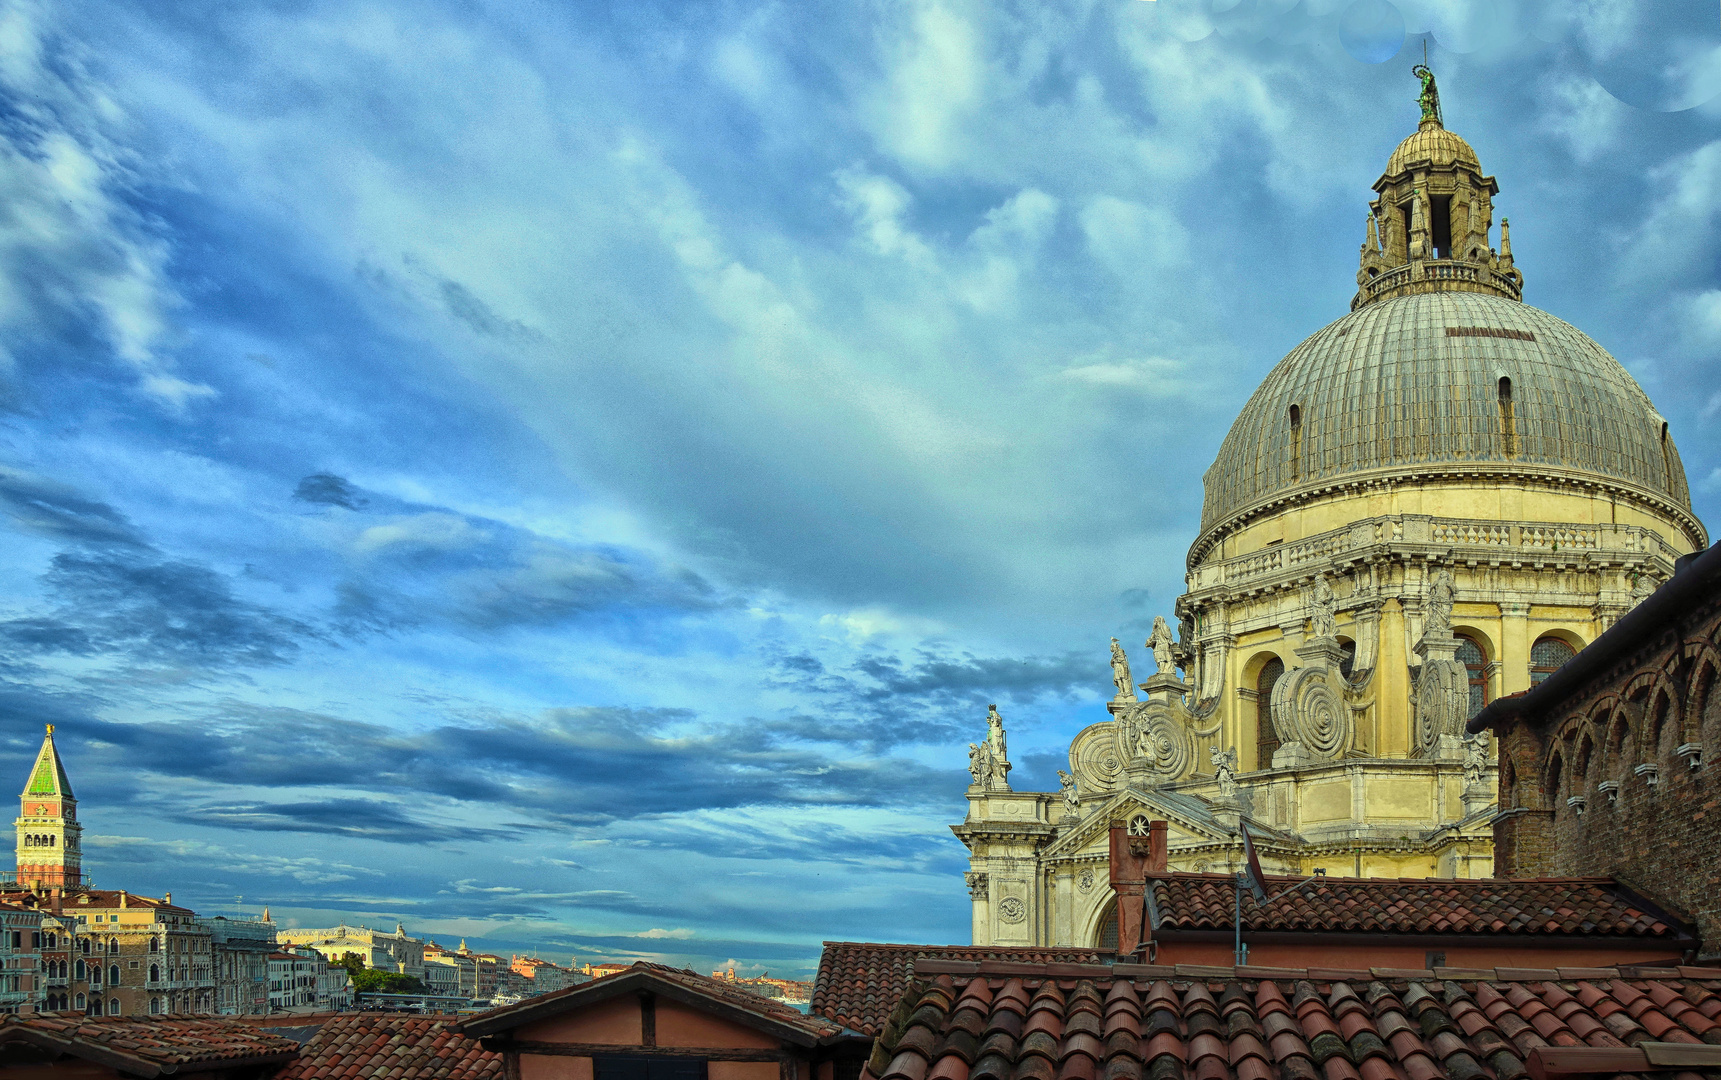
{"x":691,"y":984}
{"x":1138,"y":1022}
{"x":859,"y":982}
{"x":148,"y":1047}
{"x":374,"y":1046}
{"x":1587,"y":907}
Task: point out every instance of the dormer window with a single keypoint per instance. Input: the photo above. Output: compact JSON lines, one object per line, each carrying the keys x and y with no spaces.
{"x":1296,"y":442}
{"x":1508,"y":419}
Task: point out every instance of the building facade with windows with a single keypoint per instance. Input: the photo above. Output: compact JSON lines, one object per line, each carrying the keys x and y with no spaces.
{"x":1431,"y":502}
{"x":239,"y":953}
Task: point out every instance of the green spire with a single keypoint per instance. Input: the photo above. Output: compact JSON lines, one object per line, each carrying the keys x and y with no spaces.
{"x":49,"y":776}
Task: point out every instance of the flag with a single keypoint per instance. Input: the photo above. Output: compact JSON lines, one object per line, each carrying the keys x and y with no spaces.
{"x":1253,"y":879}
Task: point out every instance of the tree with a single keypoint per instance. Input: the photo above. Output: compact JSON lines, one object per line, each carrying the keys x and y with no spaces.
{"x":353,"y":962}
{"x":372,"y":981}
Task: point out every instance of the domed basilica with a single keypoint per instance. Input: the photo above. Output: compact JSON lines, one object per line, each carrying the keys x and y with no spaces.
{"x":1431,"y":502}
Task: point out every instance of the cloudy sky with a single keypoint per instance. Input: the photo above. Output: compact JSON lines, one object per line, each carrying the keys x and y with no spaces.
{"x":572,"y":476}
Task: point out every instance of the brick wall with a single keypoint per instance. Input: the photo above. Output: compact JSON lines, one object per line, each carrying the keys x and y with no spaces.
{"x":1633,"y":728}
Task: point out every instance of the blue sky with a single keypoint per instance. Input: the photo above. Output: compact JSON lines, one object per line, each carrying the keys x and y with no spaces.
{"x":573,"y":476}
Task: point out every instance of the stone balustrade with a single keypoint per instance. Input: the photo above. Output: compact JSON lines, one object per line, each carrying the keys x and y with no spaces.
{"x":1490,"y":540}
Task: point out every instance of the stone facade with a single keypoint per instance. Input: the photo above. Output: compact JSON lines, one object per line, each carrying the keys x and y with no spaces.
{"x":239,"y":952}
{"x":397,"y":952}
{"x":1429,"y":504}
{"x":1605,"y":772}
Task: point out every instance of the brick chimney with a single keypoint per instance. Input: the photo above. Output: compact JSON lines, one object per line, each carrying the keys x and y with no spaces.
{"x":1133,"y":858}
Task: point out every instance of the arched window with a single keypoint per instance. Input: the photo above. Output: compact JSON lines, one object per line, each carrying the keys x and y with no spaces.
{"x":1546,"y":656}
{"x":1108,"y":930}
{"x":155,"y":973}
{"x":1296,"y":441}
{"x":154,"y":1005}
{"x":154,"y":945}
{"x":80,"y":1001}
{"x":1347,"y":662}
{"x":80,"y":975}
{"x":113,"y":1006}
{"x":1266,"y":739}
{"x":1475,"y":663}
{"x":1508,"y":420}
{"x":114,"y":946}
{"x":114,"y":975}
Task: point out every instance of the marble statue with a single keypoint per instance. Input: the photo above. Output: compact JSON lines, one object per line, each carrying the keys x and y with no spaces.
{"x":1475,"y":761}
{"x":977,"y":766}
{"x":1321,"y":621}
{"x":1224,"y":769}
{"x":1642,"y":585}
{"x":1067,"y":785}
{"x":996,"y":757}
{"x":1120,"y":673}
{"x":1439,"y":621}
{"x":1161,"y":642}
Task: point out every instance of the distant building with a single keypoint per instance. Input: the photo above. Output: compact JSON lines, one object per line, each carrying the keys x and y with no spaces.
{"x":301,"y":979}
{"x":49,"y":846}
{"x":541,"y":976}
{"x":378,"y":948}
{"x":438,"y":960}
{"x":599,"y":971}
{"x":21,"y":962}
{"x":239,"y":951}
{"x":788,"y":990}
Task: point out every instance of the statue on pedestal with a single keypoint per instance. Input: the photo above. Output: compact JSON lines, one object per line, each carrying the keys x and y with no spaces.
{"x":1224,"y":770}
{"x":1475,"y":761}
{"x":1440,"y":595}
{"x":1321,"y":621}
{"x":1120,"y":673}
{"x":1072,"y":800}
{"x":1162,"y":644}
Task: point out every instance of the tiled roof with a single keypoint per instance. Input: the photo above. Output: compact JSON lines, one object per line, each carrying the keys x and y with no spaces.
{"x":859,"y":982}
{"x":813,"y":1028}
{"x":1188,"y":1023}
{"x":110,"y":898}
{"x":374,"y":1046}
{"x":147,"y":1047}
{"x":1588,"y":907}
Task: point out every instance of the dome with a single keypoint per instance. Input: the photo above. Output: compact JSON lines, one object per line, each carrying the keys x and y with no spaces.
{"x":1434,"y":144}
{"x":1414,"y":387}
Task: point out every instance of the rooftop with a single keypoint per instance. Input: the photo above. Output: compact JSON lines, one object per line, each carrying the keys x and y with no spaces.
{"x":859,"y":982}
{"x":1081,"y":1022}
{"x":1541,"y":907}
{"x":395,"y":1046}
{"x":149,"y":1047}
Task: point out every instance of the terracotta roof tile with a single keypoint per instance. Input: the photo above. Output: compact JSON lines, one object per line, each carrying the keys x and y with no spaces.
{"x":166,"y":1041}
{"x":387,"y":1046}
{"x":1305,"y":1028}
{"x":1583,"y":907}
{"x":858,"y":983}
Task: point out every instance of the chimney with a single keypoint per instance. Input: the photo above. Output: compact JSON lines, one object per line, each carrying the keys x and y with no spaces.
{"x":167,"y":898}
{"x":1128,"y":880}
{"x":122,"y":898}
{"x":1157,"y":852}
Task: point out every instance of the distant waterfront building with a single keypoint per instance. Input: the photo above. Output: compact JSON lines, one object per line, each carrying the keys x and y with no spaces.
{"x":462,"y":963}
{"x":396,"y":952}
{"x":541,"y":976}
{"x":239,"y":951}
{"x":21,"y":963}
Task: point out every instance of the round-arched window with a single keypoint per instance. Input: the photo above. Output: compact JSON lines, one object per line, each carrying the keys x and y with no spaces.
{"x":1108,"y":931}
{"x":1266,"y":740}
{"x":1546,"y":656}
{"x":1475,"y":663}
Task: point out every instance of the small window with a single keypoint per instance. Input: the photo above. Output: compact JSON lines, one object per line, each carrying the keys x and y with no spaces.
{"x":1296,"y":441}
{"x":1508,"y":419}
{"x":1666,"y":458}
{"x":1546,"y":657}
{"x":1475,"y":663}
{"x":113,"y":1006}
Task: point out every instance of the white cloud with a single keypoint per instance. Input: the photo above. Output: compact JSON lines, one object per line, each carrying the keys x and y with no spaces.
{"x":71,"y":243}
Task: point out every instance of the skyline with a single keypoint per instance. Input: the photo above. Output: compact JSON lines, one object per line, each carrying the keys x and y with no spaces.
{"x":579,"y":477}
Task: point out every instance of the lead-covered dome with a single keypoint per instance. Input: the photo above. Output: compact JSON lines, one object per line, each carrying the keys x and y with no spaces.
{"x":1434,"y":145}
{"x":1442,"y":385}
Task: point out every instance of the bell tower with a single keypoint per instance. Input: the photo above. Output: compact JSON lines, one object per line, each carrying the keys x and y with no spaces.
{"x":49,"y":849}
{"x":1428,"y":228}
